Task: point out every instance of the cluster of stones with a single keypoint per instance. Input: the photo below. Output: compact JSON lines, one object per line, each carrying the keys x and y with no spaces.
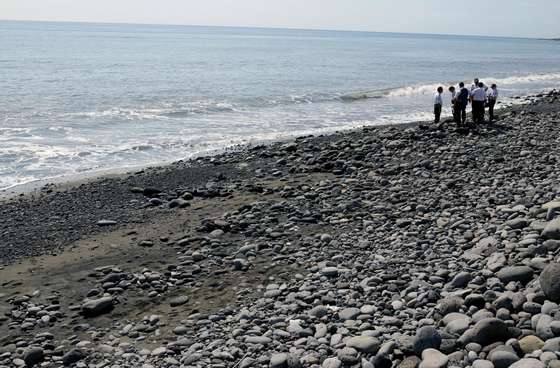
{"x":416,"y":248}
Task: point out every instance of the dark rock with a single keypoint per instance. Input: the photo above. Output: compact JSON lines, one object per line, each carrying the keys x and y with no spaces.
{"x":486,"y":331}
{"x":550,"y":281}
{"x":73,"y":356}
{"x":97,"y":307}
{"x":522,"y":274}
{"x":33,"y":356}
{"x":426,"y":337}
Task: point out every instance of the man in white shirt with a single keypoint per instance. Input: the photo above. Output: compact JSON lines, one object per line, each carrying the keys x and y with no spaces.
{"x":438,"y":103}
{"x":476,"y":83}
{"x":492,"y":98}
{"x":455,"y":109}
{"x":478,"y":98}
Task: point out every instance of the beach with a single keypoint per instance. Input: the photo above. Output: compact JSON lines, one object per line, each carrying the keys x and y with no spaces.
{"x":390,"y":246}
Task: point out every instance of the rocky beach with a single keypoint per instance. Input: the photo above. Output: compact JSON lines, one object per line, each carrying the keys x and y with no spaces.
{"x":396,"y":246}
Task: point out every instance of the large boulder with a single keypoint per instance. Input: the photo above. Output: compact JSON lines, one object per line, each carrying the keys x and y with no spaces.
{"x":550,"y":282}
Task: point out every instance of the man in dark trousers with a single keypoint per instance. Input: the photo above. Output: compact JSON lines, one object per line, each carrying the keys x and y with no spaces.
{"x":492,"y":98}
{"x":462,"y":100}
{"x":454,"y":105}
{"x":438,"y":104}
{"x":478,"y":99}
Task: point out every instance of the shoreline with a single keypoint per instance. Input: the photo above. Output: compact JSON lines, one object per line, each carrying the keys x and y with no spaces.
{"x":379,"y":246}
{"x":34,"y":187}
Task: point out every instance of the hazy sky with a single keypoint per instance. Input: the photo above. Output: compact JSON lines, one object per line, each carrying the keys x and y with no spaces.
{"x":531,"y":18}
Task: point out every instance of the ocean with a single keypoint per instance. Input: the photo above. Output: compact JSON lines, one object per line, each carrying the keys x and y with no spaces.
{"x":79,"y":98}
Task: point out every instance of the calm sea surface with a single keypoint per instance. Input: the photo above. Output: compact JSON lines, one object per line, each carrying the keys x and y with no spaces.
{"x":76,"y":98}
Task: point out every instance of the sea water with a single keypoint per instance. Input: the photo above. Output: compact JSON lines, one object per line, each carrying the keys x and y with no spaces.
{"x":77,"y":98}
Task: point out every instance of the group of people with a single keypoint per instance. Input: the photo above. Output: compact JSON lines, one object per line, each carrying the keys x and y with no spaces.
{"x":479,"y":96}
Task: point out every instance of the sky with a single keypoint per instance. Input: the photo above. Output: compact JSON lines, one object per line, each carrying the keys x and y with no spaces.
{"x":516,"y":18}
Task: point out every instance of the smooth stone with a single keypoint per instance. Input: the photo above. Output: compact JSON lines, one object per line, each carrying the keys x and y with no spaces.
{"x":410,"y":362}
{"x":106,"y":223}
{"x":33,"y":356}
{"x":284,"y":360}
{"x":552,"y":230}
{"x":432,"y":358}
{"x":517,"y":223}
{"x":461,"y":280}
{"x":365,"y":344}
{"x":530,"y":343}
{"x":528,"y":363}
{"x":522,"y":274}
{"x":552,"y":345}
{"x":503,"y":358}
{"x":331,"y":363}
{"x":550,"y":282}
{"x":543,"y":328}
{"x":486,"y":331}
{"x":178,"y":301}
{"x":97,"y":307}
{"x":348,"y":314}
{"x":329,"y":272}
{"x":427,"y":337}
{"x":73,"y":356}
{"x":480,"y":363}
{"x":258,"y":340}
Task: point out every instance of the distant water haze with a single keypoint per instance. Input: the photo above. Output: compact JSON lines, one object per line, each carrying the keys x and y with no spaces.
{"x":77,"y":97}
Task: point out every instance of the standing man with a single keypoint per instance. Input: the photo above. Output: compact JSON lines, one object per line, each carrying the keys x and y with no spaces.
{"x":478,"y":98}
{"x":474,"y":85}
{"x":438,"y":103}
{"x":492,"y":98}
{"x":454,"y":105}
{"x":462,"y":100}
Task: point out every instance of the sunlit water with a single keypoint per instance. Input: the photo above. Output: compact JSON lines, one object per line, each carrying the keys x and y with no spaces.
{"x":76,"y":97}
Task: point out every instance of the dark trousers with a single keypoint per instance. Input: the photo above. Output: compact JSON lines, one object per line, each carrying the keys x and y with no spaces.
{"x":456,"y":113}
{"x":463,"y":113}
{"x":478,"y":111}
{"x":437,"y":113}
{"x":491,"y":104}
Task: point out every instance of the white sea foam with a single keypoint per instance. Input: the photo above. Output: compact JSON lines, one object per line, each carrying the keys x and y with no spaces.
{"x":428,"y":89}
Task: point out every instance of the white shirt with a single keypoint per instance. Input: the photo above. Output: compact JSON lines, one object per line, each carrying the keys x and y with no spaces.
{"x":453,"y":95}
{"x":438,"y":100}
{"x":478,"y":94}
{"x":493,"y":93}
{"x":474,"y":86}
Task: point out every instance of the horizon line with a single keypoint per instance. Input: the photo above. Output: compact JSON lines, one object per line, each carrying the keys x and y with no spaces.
{"x":274,"y":28}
